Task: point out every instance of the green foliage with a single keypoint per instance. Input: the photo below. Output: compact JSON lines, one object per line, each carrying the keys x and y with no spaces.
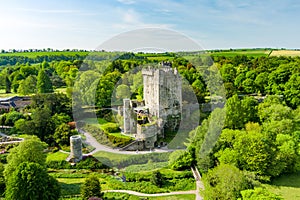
{"x":62,"y":134}
{"x":224,"y":182}
{"x":239,"y":112}
{"x":111,"y":128}
{"x":181,"y":160}
{"x":11,"y":117}
{"x":44,"y":84}
{"x":91,"y":188}
{"x":31,"y":181}
{"x":2,"y":179}
{"x":28,"y":86}
{"x":30,"y":150}
{"x":259,"y":194}
{"x":157,"y":178}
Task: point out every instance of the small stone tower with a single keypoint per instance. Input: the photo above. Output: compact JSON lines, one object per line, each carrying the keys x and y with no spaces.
{"x":129,"y":117}
{"x":76,"y":148}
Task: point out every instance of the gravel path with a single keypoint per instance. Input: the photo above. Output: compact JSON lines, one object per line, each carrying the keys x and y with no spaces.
{"x":152,"y":195}
{"x":99,"y":147}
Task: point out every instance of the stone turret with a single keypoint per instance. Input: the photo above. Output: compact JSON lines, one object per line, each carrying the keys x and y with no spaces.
{"x":129,"y":117}
{"x":76,"y":148}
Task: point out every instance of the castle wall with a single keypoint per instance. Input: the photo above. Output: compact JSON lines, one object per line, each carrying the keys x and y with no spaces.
{"x":130,"y":121}
{"x":162,"y":94}
{"x":148,"y":134}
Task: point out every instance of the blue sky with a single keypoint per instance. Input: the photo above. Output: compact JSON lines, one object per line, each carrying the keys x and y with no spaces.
{"x":214,"y":24}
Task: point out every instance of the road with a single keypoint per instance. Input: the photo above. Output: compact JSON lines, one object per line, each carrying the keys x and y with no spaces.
{"x":152,"y":195}
{"x":100,"y":147}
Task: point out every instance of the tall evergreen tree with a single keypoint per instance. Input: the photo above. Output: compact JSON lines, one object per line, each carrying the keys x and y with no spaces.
{"x":44,"y":84}
{"x":7,"y":85}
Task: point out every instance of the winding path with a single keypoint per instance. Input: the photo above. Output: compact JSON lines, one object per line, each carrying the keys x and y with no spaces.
{"x":152,"y":195}
{"x":100,"y":147}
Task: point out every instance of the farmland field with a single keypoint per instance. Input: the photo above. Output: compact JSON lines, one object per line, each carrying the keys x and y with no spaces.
{"x":45,"y":53}
{"x":285,"y":53}
{"x":247,"y":52}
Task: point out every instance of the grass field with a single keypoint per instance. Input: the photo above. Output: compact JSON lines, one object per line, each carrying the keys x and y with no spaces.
{"x":57,"y":156}
{"x":45,"y":53}
{"x":287,"y":186}
{"x":247,"y":52}
{"x":125,"y":160}
{"x":146,"y":167}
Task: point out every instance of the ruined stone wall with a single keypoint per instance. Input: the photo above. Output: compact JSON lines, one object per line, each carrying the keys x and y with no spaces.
{"x":130,"y":121}
{"x":147,"y":133}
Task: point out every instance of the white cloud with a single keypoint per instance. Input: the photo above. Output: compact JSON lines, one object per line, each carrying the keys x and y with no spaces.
{"x":127,"y":1}
{"x":130,"y":19}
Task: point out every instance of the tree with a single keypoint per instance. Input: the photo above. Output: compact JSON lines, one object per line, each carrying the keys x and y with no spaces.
{"x":233,"y":113}
{"x":85,"y":86}
{"x":7,"y":84}
{"x":2,"y":179}
{"x":291,"y":92}
{"x":249,"y":110}
{"x":28,"y":86}
{"x":62,"y":134}
{"x":30,"y":150}
{"x":224,"y":182}
{"x":91,"y":188}
{"x":31,"y":181}
{"x":44,"y":84}
{"x":181,"y":159}
{"x":156,"y":178}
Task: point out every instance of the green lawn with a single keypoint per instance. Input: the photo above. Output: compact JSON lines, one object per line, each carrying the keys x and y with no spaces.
{"x":123,"y":160}
{"x":287,"y":186}
{"x":57,"y":156}
{"x":150,"y":166}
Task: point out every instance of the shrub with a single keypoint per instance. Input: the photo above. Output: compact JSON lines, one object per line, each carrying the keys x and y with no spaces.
{"x":157,"y":178}
{"x":91,"y":188}
{"x":111,"y":128}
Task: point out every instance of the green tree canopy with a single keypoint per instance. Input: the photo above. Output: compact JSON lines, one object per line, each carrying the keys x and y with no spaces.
{"x":224,"y":182}
{"x":44,"y":84}
{"x":30,"y":150}
{"x":31,"y":181}
{"x":91,"y":188}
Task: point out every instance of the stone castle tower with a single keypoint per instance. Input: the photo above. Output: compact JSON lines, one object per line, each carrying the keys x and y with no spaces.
{"x":162,"y":94}
{"x":159,"y":111}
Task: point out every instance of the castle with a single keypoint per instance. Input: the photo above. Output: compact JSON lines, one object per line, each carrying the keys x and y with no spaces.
{"x":160,"y":110}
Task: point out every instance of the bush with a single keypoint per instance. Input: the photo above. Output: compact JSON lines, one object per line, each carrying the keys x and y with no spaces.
{"x":91,"y":188}
{"x":111,"y":128}
{"x":58,"y":164}
{"x":224,"y":182}
{"x":90,"y":163}
{"x":157,"y":178}
{"x":119,"y":141}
